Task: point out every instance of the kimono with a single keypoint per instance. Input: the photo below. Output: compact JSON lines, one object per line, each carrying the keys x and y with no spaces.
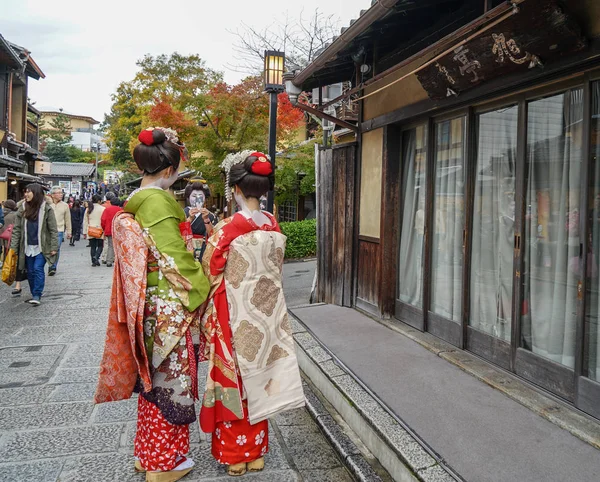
{"x":253,"y":372}
{"x":153,"y":329}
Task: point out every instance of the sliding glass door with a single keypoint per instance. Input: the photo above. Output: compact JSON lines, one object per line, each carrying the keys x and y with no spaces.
{"x":447,"y":229}
{"x":499,"y":242}
{"x":493,"y":231}
{"x":589,"y":382}
{"x":552,"y":240}
{"x":409,"y":302}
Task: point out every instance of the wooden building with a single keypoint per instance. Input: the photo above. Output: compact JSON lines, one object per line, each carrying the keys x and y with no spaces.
{"x":19,"y":121}
{"x":470,"y":203}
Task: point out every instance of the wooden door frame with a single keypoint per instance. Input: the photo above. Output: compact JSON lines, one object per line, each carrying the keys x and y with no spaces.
{"x":409,"y":314}
{"x":451,"y":331}
{"x":390,"y":214}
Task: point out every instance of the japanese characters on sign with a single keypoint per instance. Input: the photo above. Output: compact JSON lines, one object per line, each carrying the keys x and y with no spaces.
{"x":540,"y":32}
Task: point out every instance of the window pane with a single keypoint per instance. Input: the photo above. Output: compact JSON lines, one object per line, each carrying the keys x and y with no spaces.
{"x":447,"y":255}
{"x":414,"y":165}
{"x":551,"y":244}
{"x":592,"y":361}
{"x":494,"y":224}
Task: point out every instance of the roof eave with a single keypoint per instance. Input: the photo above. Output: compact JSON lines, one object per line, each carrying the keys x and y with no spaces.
{"x":378,"y":10}
{"x":6,"y":46}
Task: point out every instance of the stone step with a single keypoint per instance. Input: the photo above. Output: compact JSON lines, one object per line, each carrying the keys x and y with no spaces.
{"x":396,"y":447}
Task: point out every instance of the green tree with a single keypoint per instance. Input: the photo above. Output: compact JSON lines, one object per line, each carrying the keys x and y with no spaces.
{"x":57,"y":137}
{"x":182,"y":81}
{"x":295,"y":173}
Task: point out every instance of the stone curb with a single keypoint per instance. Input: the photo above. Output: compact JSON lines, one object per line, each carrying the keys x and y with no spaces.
{"x":553,"y":410}
{"x":346,"y":449}
{"x":395,"y":446}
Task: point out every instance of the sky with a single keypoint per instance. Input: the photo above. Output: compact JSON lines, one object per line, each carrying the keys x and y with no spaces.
{"x":87,"y":48}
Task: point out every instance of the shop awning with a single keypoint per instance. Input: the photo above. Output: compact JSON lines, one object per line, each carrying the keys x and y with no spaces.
{"x":6,"y":160}
{"x":21,"y":176}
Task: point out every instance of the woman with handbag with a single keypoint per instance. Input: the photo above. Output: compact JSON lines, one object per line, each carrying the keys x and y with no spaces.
{"x":35,"y":239}
{"x":10,"y":214}
{"x":10,"y":217}
{"x":92,"y":228}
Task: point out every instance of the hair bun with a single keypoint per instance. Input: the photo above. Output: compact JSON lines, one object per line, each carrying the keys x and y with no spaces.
{"x":158,"y":136}
{"x":152,"y":136}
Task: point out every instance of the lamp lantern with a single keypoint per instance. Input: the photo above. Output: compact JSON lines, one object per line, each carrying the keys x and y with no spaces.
{"x":274,"y":68}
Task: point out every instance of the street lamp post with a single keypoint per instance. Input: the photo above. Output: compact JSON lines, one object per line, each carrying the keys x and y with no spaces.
{"x":97,"y":149}
{"x":274,"y":67}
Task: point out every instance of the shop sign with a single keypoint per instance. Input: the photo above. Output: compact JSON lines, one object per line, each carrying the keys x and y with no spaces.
{"x":540,"y":32}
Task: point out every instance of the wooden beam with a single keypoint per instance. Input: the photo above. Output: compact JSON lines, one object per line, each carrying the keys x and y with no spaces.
{"x":328,"y":117}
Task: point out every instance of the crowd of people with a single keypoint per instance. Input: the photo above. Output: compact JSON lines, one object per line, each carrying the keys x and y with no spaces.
{"x":212,"y":292}
{"x":36,"y":227}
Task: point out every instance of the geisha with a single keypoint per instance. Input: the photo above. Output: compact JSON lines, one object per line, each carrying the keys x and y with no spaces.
{"x":153,"y":327}
{"x":253,"y":371}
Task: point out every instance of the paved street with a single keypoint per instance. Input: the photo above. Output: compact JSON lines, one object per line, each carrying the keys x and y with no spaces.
{"x":50,"y":430}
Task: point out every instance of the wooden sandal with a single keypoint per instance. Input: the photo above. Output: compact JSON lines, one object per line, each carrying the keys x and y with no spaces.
{"x":236,"y":470}
{"x":170,"y":476}
{"x":256,"y":465}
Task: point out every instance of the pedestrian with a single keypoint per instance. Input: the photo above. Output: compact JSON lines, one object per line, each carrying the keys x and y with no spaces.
{"x":63,"y":222}
{"x":76,"y":222}
{"x":153,"y":264}
{"x":201,"y":219}
{"x":35,"y":239}
{"x":108,"y":215}
{"x":105,"y":204}
{"x":10,"y":217}
{"x":92,"y":228}
{"x":246,"y":309}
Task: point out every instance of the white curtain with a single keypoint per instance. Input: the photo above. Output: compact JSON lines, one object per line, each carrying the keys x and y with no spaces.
{"x":447,"y":259}
{"x":551,"y":269}
{"x":493,"y":224}
{"x":414,"y":143}
{"x":593,"y":271}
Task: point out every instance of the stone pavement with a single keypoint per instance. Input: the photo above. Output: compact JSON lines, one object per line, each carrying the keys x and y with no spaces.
{"x":50,"y":429}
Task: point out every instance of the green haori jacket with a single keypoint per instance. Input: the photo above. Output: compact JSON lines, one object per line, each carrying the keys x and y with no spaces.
{"x":157,"y":212}
{"x":49,"y":235}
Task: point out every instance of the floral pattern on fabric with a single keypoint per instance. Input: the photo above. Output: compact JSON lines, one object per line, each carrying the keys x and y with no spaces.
{"x":239,"y":442}
{"x":158,"y":444}
{"x":169,"y":331}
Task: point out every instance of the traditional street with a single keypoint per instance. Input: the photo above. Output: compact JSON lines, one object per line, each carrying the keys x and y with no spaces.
{"x":50,"y":429}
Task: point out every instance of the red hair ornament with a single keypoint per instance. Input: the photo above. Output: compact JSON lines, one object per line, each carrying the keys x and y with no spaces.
{"x":262,"y":166}
{"x":146,"y":137}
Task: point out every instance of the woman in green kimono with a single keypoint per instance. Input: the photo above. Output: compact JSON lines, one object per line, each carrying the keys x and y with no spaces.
{"x":155,"y":344}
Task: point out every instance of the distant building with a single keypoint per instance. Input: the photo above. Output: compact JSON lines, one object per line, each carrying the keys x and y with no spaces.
{"x":73,"y":177}
{"x":84,"y":136}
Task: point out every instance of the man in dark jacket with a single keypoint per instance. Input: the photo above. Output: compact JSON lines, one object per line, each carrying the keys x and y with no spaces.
{"x":107,"y":218}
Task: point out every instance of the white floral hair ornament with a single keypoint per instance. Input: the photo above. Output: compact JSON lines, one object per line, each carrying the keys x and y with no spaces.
{"x":230,"y":161}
